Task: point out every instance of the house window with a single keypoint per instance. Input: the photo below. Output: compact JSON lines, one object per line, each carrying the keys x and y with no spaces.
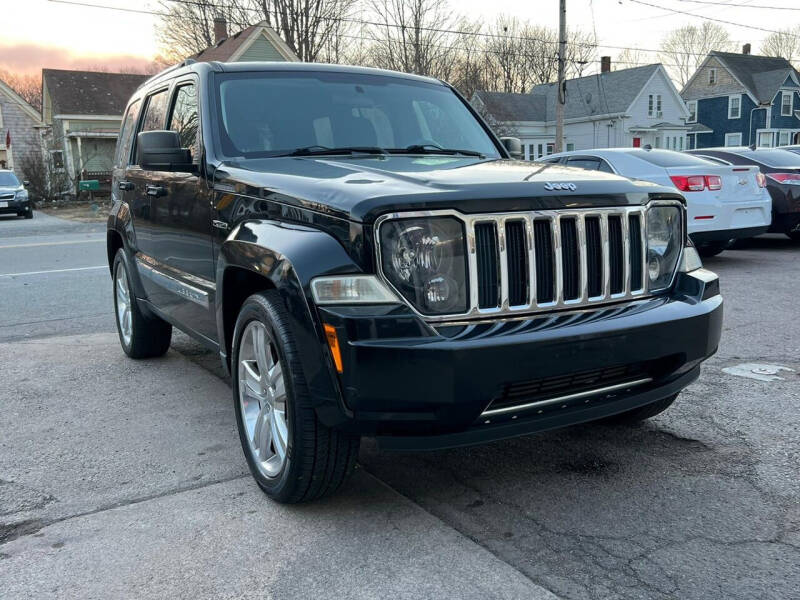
{"x":654,"y":105}
{"x":783,"y":138}
{"x":658,"y":142}
{"x":550,"y":148}
{"x":680,"y":141}
{"x":692,"y":106}
{"x":787,"y":104}
{"x":765,"y":139}
{"x":712,"y":76}
{"x":733,"y":139}
{"x":570,"y":147}
{"x":734,"y":106}
{"x":57,"y":159}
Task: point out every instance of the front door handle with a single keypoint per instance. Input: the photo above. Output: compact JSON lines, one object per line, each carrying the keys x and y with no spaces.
{"x":124,"y":186}
{"x":156,"y":190}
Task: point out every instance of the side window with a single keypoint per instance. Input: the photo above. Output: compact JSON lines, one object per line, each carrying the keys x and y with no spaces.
{"x":584,"y":162}
{"x":605,"y":167}
{"x":184,"y":119}
{"x":126,"y":134}
{"x":156,"y":112}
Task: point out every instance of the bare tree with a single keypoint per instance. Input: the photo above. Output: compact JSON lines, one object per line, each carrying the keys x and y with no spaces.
{"x":27,"y":86}
{"x":413,"y":36}
{"x":629,"y":58}
{"x":684,"y":49}
{"x":309,"y":27}
{"x":508,"y":54}
{"x":581,"y":49}
{"x":785,"y":44}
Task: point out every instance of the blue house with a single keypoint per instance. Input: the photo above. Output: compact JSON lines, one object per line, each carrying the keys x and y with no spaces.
{"x":743,"y":99}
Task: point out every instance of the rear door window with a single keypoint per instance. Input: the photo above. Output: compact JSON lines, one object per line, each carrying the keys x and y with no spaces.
{"x":589,"y":163}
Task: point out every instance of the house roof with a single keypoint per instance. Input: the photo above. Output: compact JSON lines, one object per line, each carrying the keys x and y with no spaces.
{"x":13,"y":95}
{"x":601,"y":94}
{"x":89,"y":92}
{"x":761,"y":75}
{"x":513,"y":107}
{"x":228,"y":47}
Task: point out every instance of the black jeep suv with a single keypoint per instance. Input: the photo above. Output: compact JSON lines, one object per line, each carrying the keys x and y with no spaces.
{"x":367,"y":259}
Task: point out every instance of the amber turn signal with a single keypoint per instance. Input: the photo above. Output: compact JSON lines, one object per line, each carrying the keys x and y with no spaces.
{"x":333,"y":343}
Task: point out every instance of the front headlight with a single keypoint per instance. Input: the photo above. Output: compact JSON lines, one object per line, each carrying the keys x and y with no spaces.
{"x":425,"y":260}
{"x":21,"y":195}
{"x":664,"y":243}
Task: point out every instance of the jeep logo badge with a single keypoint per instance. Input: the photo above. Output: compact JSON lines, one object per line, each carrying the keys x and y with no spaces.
{"x":566,"y":187}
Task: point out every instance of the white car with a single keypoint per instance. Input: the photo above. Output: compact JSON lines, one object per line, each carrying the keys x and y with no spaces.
{"x":724,"y":202}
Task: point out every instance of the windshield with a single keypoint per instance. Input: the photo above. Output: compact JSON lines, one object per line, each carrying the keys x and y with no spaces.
{"x":772,"y":158}
{"x":271,"y":114}
{"x":8,"y":179}
{"x":668,"y":158}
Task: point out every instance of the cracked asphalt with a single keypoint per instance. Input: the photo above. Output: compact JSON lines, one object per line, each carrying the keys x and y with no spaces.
{"x":125,"y":479}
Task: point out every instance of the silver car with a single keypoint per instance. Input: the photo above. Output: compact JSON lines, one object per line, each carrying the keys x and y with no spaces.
{"x":13,"y":196}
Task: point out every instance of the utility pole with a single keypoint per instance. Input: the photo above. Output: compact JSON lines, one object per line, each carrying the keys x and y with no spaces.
{"x":562,"y":57}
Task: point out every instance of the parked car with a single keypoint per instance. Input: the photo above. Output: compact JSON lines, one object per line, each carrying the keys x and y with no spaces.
{"x":367,"y":260}
{"x":14,"y":198}
{"x":724,"y":203}
{"x":781,"y":168}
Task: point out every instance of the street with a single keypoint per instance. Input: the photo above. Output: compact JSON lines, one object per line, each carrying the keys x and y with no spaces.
{"x":121,"y":478}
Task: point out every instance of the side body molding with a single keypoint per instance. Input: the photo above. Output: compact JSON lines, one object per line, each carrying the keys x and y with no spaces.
{"x":289,"y":256}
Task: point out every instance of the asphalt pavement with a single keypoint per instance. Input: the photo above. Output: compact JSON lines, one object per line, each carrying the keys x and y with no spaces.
{"x":125,"y":479}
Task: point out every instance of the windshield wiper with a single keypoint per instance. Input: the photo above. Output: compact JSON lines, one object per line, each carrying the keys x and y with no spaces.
{"x":436,"y":149}
{"x":325,"y":150}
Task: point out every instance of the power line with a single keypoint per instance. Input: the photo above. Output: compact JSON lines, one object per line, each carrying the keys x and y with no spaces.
{"x":387,"y":25}
{"x":713,"y":19}
{"x":736,"y":5}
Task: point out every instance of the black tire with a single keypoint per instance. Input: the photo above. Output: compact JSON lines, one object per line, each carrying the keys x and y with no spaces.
{"x":712,"y":248}
{"x":640,"y":414}
{"x":793,"y":235}
{"x":318,"y":458}
{"x":150,"y":336}
{"x":29,"y":214}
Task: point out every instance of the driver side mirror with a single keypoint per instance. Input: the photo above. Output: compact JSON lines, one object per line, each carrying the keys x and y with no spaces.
{"x":161,"y":151}
{"x":26,"y":183}
{"x":513,"y":146}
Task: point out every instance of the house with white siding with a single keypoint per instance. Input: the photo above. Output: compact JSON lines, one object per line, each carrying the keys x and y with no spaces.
{"x":612,"y":109}
{"x":82,"y":113}
{"x":19,"y":134}
{"x":258,"y":42}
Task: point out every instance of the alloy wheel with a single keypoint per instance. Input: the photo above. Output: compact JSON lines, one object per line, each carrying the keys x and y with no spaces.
{"x":262,"y":399}
{"x":123,"y":296}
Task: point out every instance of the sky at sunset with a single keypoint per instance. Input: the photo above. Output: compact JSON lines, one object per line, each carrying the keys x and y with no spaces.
{"x":50,"y":34}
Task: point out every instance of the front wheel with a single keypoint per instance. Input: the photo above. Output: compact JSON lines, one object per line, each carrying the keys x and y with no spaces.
{"x":291,"y":454}
{"x":794,"y":235}
{"x":140,"y":336}
{"x":29,"y":214}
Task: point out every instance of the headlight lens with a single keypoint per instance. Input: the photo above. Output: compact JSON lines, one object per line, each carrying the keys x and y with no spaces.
{"x":425,"y":260}
{"x":21,"y":195}
{"x":664,"y":243}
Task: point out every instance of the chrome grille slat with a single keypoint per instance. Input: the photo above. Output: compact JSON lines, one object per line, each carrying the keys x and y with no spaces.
{"x":546,"y":224}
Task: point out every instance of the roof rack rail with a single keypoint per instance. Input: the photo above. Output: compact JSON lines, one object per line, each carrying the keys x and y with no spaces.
{"x":184,"y":63}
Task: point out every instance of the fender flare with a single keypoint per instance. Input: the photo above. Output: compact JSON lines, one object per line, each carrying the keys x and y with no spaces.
{"x":288,"y":257}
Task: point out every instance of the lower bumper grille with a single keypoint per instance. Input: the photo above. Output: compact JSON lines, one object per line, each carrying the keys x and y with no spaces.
{"x":525,"y":395}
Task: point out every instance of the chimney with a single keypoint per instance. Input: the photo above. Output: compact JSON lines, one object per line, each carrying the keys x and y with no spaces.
{"x":605,"y":64}
{"x":746,"y":49}
{"x":220,"y":29}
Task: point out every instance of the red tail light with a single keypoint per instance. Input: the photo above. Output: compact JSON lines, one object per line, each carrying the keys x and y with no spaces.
{"x":787,"y":178}
{"x":692,"y":183}
{"x":761,"y":179}
{"x":714,"y":182}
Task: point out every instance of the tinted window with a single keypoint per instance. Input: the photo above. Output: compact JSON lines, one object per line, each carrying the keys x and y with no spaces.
{"x":591,"y":164}
{"x":714,"y":159}
{"x":666,"y":158}
{"x":605,"y":167}
{"x":772,"y":158}
{"x":126,"y":135}
{"x":264,"y":114}
{"x":8,"y":179}
{"x":156,"y":112}
{"x":184,"y":118}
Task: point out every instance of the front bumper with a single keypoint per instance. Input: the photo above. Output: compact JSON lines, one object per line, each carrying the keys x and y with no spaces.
{"x":416,"y":387}
{"x":15,"y":207}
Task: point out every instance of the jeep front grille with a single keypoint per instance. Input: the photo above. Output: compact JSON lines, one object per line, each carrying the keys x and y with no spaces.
{"x":559,"y":259}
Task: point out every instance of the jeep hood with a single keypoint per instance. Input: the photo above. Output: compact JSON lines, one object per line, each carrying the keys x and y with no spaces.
{"x":361,"y":188}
